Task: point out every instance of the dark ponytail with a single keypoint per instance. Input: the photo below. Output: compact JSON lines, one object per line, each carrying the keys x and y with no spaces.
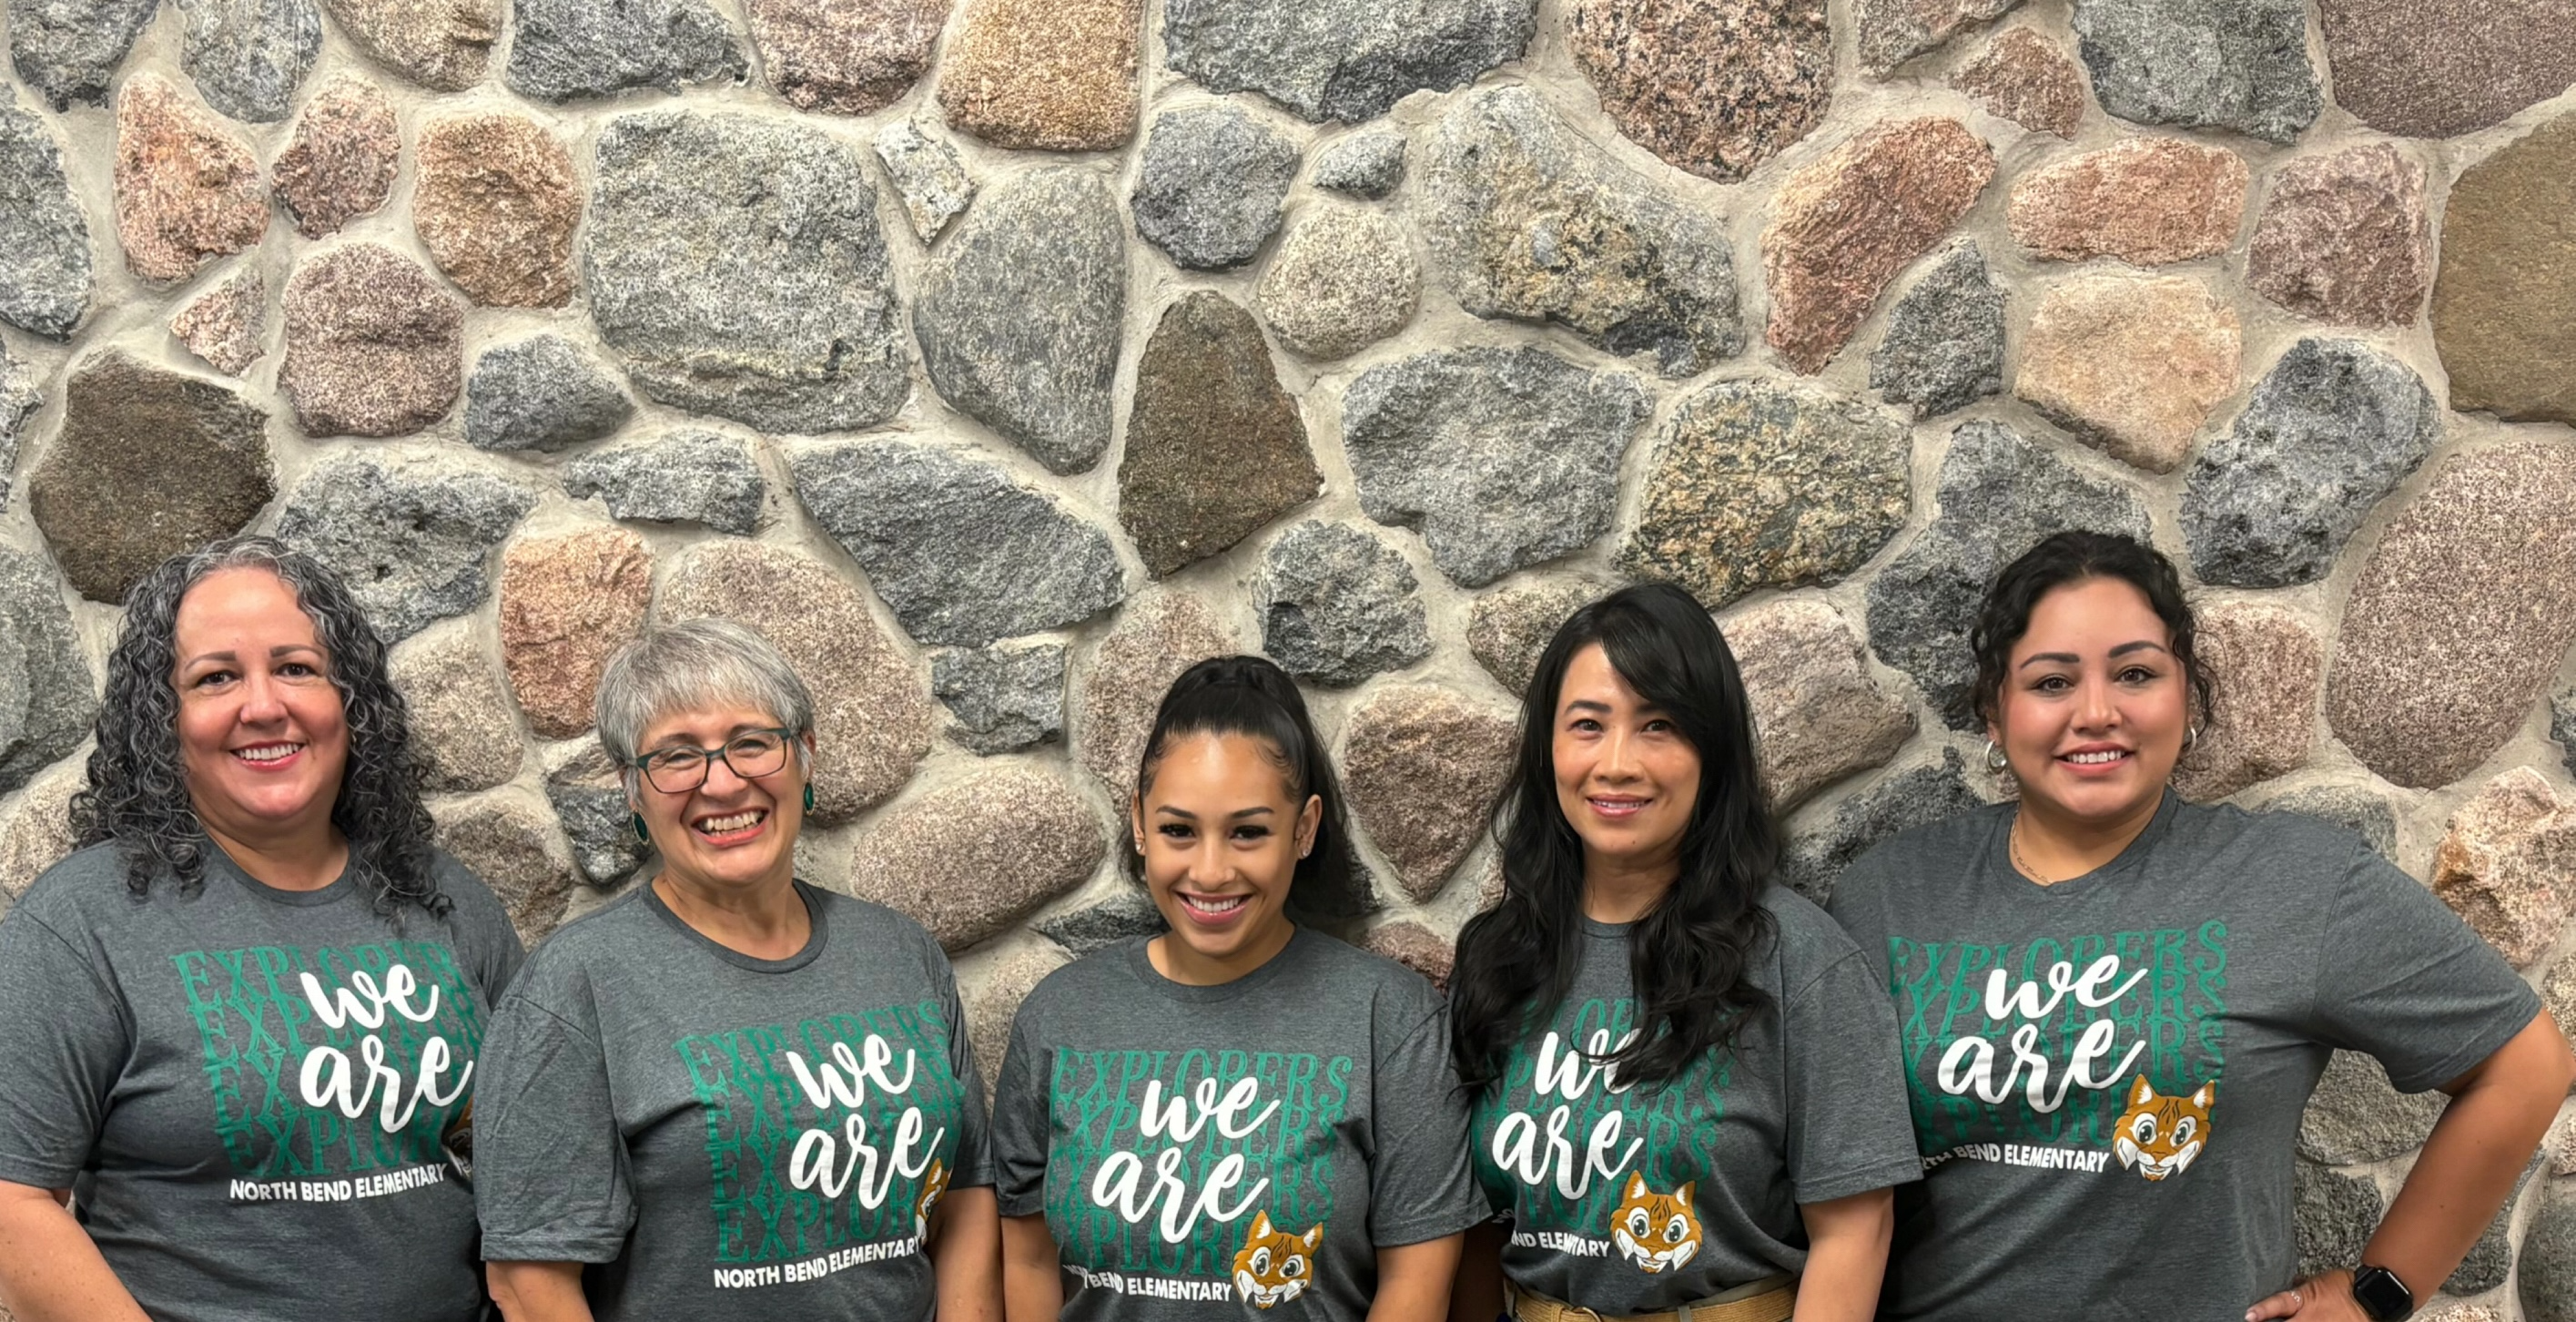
{"x":1251,"y":696}
{"x":1688,"y":957}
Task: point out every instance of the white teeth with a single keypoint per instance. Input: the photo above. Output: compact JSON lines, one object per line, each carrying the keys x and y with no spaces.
{"x":2094,"y":759}
{"x":1215,"y":903}
{"x":735,"y":822}
{"x":267,"y":752}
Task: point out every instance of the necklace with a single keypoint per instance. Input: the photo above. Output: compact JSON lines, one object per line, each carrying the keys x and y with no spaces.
{"x":2012,"y":846}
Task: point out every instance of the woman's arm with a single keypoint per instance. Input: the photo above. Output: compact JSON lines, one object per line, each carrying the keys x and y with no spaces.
{"x":1413,"y":1281}
{"x":538,"y":1291}
{"x":1477,"y":1295}
{"x":1847,"y":1241}
{"x":49,"y":1269}
{"x":1032,"y":1271}
{"x":966,"y":1256}
{"x":2499,"y":1110}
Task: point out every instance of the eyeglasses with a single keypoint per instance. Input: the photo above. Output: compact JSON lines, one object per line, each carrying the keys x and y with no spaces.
{"x":752,"y":754}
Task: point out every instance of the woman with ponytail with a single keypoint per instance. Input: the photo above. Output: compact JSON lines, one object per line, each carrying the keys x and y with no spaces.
{"x":1685,"y":1079}
{"x":1241,"y":1111}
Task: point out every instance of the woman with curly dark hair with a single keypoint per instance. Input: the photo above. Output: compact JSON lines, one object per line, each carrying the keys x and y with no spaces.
{"x":1686,"y":1095}
{"x":239,"y":1024}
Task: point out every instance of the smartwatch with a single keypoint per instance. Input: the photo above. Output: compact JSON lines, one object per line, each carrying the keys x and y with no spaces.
{"x":2381,"y":1295}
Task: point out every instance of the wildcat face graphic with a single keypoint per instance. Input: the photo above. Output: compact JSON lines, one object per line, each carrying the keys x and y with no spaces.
{"x":2160,"y":1136}
{"x":1658,"y":1232}
{"x":1274,"y":1265}
{"x":934,"y":1182}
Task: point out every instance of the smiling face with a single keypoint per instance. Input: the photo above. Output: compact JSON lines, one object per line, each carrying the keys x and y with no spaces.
{"x":729,"y":833}
{"x":262,"y":736}
{"x":2094,"y":705}
{"x":1626,"y":779}
{"x":1221,"y":839}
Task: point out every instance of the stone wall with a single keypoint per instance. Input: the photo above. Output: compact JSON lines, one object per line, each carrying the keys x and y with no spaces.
{"x":999,"y":361}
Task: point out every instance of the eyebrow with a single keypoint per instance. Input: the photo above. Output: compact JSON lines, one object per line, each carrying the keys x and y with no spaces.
{"x":282,"y":649}
{"x":681,"y":737}
{"x":2071,"y":659}
{"x":1257,"y":810}
{"x":1588,"y":705}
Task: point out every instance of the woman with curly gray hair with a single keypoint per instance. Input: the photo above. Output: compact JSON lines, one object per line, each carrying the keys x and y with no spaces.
{"x":240,"y":1023}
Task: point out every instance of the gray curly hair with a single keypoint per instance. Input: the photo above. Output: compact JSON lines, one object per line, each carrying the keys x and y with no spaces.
{"x":694,"y":663}
{"x":138,"y":794}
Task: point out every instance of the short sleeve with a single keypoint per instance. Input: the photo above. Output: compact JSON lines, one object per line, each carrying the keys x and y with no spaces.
{"x":974,"y":1142}
{"x":1019,"y":1128}
{"x":1421,"y":1186}
{"x":65,"y":1034}
{"x":2400,"y":977}
{"x":550,"y":1177}
{"x":1849,"y":1126}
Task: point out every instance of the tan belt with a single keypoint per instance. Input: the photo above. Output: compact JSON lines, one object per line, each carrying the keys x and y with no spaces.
{"x":1771,"y":1299}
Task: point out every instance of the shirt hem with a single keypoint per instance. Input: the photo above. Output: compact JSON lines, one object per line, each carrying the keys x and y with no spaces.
{"x":2479,"y":1048}
{"x":552,"y":1250}
{"x":37,"y":1175}
{"x":1884,"y":1175}
{"x":1024,"y":1207}
{"x":1426,"y":1230}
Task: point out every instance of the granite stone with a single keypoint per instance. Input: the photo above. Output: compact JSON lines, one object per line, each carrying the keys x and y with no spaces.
{"x":1894,"y":31}
{"x":2441,"y":68}
{"x":2023,"y":77}
{"x":1508,"y":627}
{"x":2499,"y":301}
{"x":872,"y":709}
{"x":2490,"y":1260}
{"x":926,"y":174}
{"x":2545,"y":1276}
{"x":149,"y":463}
{"x":589,"y":799}
{"x":563,"y":50}
{"x":1346,"y":60}
{"x":1504,"y":458}
{"x":1018,"y":317}
{"x":508,"y":838}
{"x":2508,"y":865}
{"x":2562,"y":725}
{"x":248,"y":57}
{"x":2145,"y":201}
{"x":1998,"y":495}
{"x":2131,"y":365}
{"x":567,"y":603}
{"x":225,"y":326}
{"x":187,"y":191}
{"x":1943,"y":348}
{"x":1368,"y":165}
{"x":21,"y":394}
{"x":684,"y":476}
{"x":1209,"y":187}
{"x":2360,"y":811}
{"x":2225,"y":64}
{"x":1526,"y":219}
{"x":973,"y":857}
{"x":45,"y":268}
{"x":53,"y":697}
{"x":341,"y":163}
{"x":2332,"y":1215}
{"x":443,"y":45}
{"x":1715,"y":87}
{"x":1915,"y":796}
{"x":1130,"y":913}
{"x":1421,"y":767}
{"x":1342,"y":280}
{"x":495,"y":200}
{"x":2354,"y":1116}
{"x":736,"y":265}
{"x":409,"y":537}
{"x":1759,"y":484}
{"x":374,"y":345}
{"x":1818,"y":714}
{"x":2332,"y":429}
{"x":1047,"y":75}
{"x":37,"y":834}
{"x":459,"y":710}
{"x":1002,"y":698}
{"x":68,"y":50}
{"x":2456,"y":624}
{"x":1843,"y":226}
{"x":1153,"y":641}
{"x":1414,"y":946}
{"x":853,"y":57}
{"x":1215,"y":447}
{"x":541,"y":393}
{"x":2345,"y":237}
{"x":1338,"y":605}
{"x":962,"y":552}
{"x":2265,"y":665}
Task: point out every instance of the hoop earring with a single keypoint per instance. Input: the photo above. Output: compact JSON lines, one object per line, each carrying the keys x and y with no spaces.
{"x":635,"y":820}
{"x":1995,"y":759}
{"x":2190,"y":737}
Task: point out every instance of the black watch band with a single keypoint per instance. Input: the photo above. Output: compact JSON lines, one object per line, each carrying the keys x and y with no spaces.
{"x":2381,"y":1295}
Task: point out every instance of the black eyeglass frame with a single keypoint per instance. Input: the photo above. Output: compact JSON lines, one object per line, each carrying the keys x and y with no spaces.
{"x":707,"y":757}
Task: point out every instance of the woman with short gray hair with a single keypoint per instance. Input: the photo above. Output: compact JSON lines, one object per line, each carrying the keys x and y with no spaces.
{"x":728,"y":1094}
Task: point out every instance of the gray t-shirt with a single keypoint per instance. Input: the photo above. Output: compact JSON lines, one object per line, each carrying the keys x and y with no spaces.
{"x":1258,"y":1141}
{"x":248,"y":1089}
{"x":724,"y":1136}
{"x":2107,"y":1074}
{"x":1641,"y":1198}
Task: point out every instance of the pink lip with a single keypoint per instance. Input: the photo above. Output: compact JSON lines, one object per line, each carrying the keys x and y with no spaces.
{"x":1212,"y":921}
{"x":1617,"y":809}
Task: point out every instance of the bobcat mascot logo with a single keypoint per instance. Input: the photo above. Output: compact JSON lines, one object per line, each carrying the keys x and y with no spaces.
{"x":1274,"y":1265}
{"x":934,"y":1182}
{"x":1658,"y":1232}
{"x":2159,"y":1136}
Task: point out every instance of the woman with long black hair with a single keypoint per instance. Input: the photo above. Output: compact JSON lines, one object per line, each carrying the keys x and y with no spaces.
{"x":1684,"y":1076}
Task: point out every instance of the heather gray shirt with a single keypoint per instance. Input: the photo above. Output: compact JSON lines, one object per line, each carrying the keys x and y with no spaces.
{"x":1641,"y":1198}
{"x":2107,"y":1074}
{"x":247,"y":1089}
{"x":725,"y":1137}
{"x":1243,"y":1149}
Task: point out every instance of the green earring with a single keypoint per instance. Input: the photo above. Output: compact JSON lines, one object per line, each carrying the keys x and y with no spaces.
{"x":642,"y":836}
{"x":809,"y":798}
